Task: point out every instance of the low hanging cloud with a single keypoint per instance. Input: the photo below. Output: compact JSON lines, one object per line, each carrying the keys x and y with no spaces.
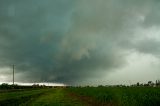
{"x":69,"y":41}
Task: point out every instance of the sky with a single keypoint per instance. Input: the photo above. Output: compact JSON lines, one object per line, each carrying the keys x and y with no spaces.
{"x":80,"y":42}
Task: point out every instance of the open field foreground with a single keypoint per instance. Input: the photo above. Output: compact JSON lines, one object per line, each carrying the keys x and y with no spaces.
{"x":86,"y":96}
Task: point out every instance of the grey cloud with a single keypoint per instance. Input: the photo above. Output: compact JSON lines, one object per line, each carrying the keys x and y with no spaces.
{"x":70,"y":41}
{"x":149,"y":46}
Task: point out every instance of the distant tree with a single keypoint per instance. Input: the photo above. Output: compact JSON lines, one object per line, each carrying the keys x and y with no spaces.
{"x":5,"y":86}
{"x":100,"y":85}
{"x":150,"y":83}
{"x":157,"y":82}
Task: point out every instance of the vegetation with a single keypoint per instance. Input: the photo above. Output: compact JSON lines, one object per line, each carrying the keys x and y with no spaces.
{"x":14,"y":98}
{"x":14,"y":95}
{"x":121,"y":96}
{"x":56,"y":97}
{"x":38,"y":97}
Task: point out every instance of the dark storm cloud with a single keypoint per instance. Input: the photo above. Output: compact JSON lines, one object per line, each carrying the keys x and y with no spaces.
{"x":29,"y":35}
{"x":71,"y":40}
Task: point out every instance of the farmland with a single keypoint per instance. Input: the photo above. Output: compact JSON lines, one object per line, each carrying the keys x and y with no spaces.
{"x":121,"y":96}
{"x":82,"y":96}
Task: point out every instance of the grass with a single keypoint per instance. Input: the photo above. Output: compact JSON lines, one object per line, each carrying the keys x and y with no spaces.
{"x":122,"y":96}
{"x":41,"y":97}
{"x":56,"y":97}
{"x":19,"y":97}
{"x":86,"y":96}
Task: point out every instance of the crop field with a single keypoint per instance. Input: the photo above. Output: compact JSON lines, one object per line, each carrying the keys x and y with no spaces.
{"x":82,"y":96}
{"x":120,"y":96}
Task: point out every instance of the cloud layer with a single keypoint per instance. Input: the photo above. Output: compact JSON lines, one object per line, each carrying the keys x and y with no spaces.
{"x":70,"y":41}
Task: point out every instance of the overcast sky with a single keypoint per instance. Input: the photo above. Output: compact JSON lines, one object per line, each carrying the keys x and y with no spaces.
{"x":80,"y":41}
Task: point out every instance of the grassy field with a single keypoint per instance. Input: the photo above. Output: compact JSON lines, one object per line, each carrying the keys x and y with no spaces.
{"x":121,"y":96}
{"x":39,"y":97}
{"x":86,"y":96}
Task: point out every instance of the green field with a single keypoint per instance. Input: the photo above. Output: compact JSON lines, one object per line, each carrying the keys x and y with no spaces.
{"x":86,"y":96}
